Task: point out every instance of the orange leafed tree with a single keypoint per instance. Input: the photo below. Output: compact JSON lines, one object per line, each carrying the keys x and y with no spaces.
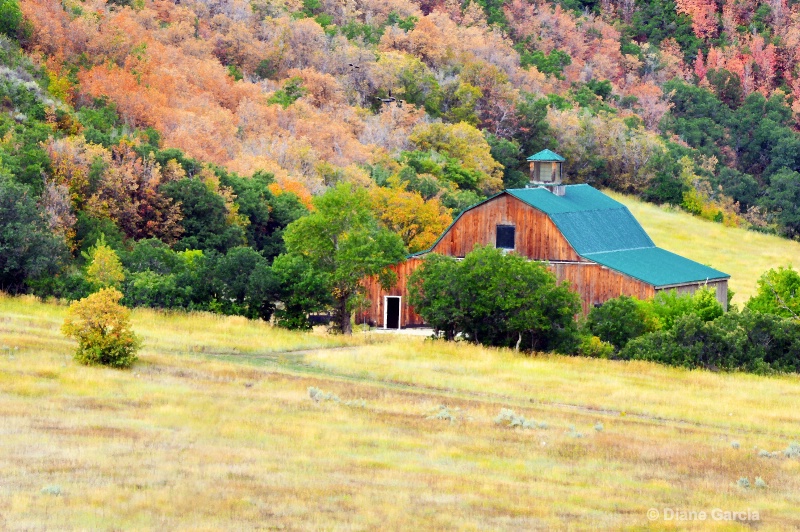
{"x":704,"y":16}
{"x":418,"y":222}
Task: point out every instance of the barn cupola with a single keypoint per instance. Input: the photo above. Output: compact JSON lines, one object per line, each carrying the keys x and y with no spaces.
{"x":546,"y":171}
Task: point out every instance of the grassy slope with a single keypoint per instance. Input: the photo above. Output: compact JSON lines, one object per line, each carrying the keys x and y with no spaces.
{"x":214,"y":429}
{"x":745,"y":255}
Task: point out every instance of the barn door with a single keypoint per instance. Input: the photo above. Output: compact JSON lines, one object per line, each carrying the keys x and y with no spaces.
{"x":391,"y":312}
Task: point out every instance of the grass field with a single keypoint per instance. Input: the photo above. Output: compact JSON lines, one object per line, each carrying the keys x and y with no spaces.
{"x":214,"y":428}
{"x":743,"y":254}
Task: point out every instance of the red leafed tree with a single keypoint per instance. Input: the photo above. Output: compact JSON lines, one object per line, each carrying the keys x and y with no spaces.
{"x":704,"y":16}
{"x":700,"y":66}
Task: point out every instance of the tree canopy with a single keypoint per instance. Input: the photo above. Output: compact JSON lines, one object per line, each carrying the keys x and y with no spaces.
{"x":495,"y":298}
{"x":343,"y":243}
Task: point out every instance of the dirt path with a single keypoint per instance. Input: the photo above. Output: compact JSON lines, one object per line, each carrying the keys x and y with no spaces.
{"x":292,"y":362}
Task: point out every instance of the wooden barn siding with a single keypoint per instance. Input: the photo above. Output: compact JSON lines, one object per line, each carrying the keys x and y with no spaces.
{"x":597,"y":284}
{"x":375,"y":294}
{"x":592,"y":282}
{"x":720,"y":287}
{"x":536,"y":236}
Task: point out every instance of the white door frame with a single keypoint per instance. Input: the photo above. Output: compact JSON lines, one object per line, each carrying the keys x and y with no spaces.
{"x":386,"y":311}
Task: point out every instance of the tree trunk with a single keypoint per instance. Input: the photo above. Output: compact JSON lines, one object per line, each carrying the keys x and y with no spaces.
{"x":519,"y":341}
{"x":343,"y":317}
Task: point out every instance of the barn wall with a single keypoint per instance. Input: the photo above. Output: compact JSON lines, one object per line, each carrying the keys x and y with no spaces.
{"x":536,"y":236}
{"x":720,"y":287}
{"x":375,"y":294}
{"x":597,"y":284}
{"x":593,"y":282}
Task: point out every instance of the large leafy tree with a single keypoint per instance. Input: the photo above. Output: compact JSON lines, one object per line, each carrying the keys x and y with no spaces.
{"x":243,"y":283}
{"x":494,"y":298}
{"x":28,"y":249}
{"x":418,"y":222}
{"x":343,"y":243}
{"x":205,"y":223}
{"x":301,"y":291}
{"x":435,"y":294}
{"x":268,"y":214}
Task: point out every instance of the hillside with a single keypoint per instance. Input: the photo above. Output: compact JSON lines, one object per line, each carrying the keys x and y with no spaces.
{"x":745,"y":255}
{"x":193,"y":134}
{"x":218,"y":410}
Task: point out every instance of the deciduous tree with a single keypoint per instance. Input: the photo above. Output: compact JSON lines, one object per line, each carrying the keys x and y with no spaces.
{"x":343,"y":244}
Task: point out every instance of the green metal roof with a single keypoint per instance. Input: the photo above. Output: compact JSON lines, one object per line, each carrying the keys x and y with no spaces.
{"x":545,"y":156}
{"x":577,"y":198}
{"x":656,"y":266}
{"x":603,"y":230}
{"x":589,"y":220}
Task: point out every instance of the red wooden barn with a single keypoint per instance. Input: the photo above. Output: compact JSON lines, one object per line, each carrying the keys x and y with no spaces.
{"x":584,"y":236}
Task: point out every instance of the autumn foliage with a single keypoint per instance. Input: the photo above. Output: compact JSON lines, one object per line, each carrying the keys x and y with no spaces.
{"x":102,"y":328}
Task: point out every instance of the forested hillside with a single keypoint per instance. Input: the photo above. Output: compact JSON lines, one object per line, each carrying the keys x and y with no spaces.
{"x":186,"y":127}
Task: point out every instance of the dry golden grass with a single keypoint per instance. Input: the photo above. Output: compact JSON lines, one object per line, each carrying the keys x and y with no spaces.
{"x":743,"y":254}
{"x":214,"y":429}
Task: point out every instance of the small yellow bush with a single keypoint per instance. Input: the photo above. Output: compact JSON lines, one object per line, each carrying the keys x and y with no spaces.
{"x":103,"y":331}
{"x":105,"y":268}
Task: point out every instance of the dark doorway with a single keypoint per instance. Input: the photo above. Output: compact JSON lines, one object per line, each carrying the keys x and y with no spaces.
{"x":392,"y":312}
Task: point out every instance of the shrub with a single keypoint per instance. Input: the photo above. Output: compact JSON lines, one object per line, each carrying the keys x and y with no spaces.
{"x":743,"y":482}
{"x":318,"y":395}
{"x":510,"y":418}
{"x":747,"y":341}
{"x":445,"y":413}
{"x":592,"y":346}
{"x":706,"y":305}
{"x":620,"y":320}
{"x":793,"y":451}
{"x":102,"y":328}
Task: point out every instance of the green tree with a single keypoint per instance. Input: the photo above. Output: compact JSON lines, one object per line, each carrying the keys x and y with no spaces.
{"x":104,"y":269}
{"x":102,"y":328}
{"x":243,"y":284}
{"x":727,"y":86}
{"x":778,"y":293}
{"x":301,"y":291}
{"x":495,"y":298}
{"x":783,"y":201}
{"x":28,"y":249}
{"x":10,"y":17}
{"x":292,"y":91}
{"x":343,"y":244}
{"x":267,"y":213}
{"x":509,"y":154}
{"x":435,"y":295}
{"x":205,"y":217}
{"x":619,"y":320}
{"x":533,"y":130}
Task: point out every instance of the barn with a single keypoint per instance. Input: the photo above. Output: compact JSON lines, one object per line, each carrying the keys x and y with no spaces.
{"x":584,"y":236}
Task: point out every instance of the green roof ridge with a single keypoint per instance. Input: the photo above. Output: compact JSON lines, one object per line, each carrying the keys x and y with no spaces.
{"x":546,"y":155}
